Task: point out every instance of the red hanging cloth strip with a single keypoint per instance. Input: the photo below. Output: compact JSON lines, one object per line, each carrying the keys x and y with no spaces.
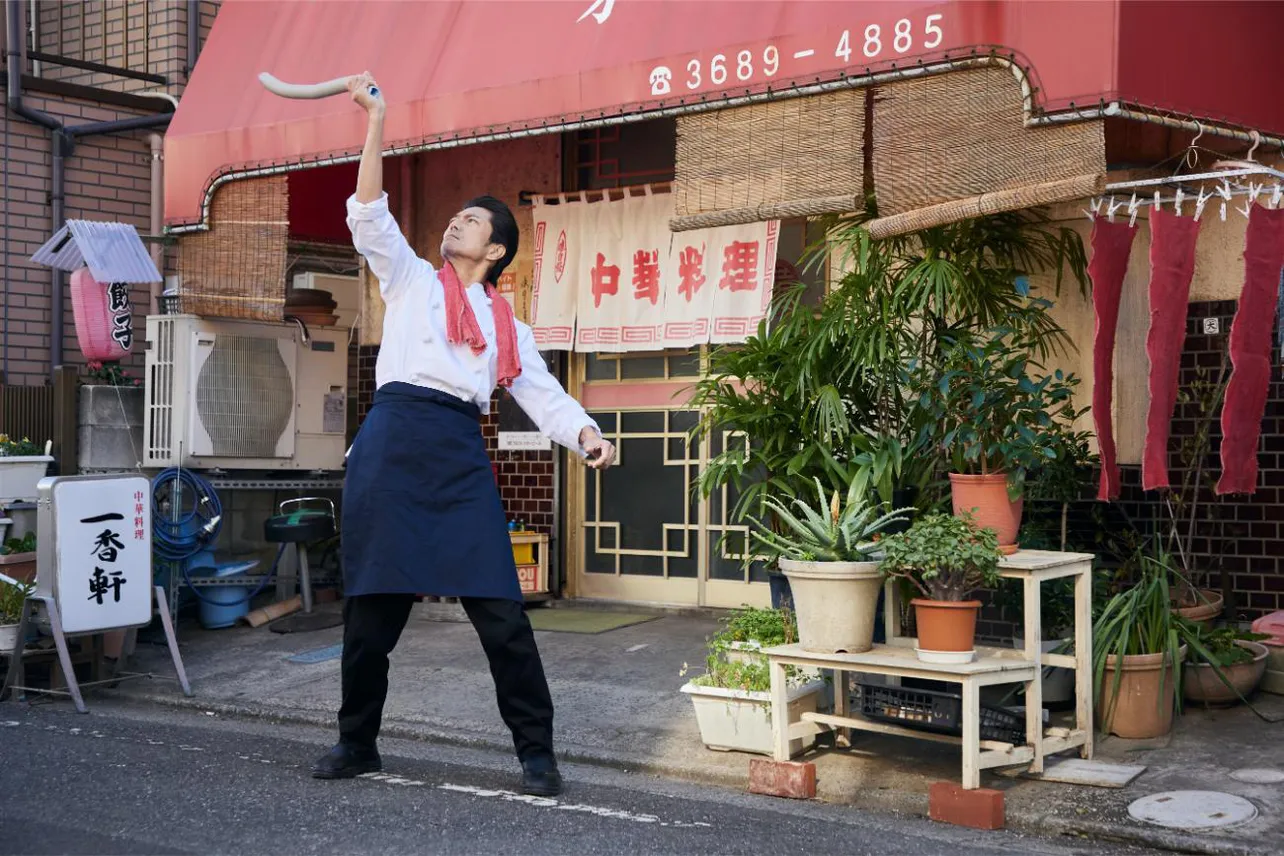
{"x":1172,"y":264}
{"x":1250,"y":351}
{"x":1111,"y":245}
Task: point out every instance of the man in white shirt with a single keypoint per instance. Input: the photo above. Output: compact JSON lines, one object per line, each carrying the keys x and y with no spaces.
{"x":421,"y":511}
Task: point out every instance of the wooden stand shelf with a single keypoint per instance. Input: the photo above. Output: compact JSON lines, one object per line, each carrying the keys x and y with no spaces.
{"x":991,"y":666}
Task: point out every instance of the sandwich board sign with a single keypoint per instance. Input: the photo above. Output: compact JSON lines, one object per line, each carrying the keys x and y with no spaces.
{"x":94,"y":566}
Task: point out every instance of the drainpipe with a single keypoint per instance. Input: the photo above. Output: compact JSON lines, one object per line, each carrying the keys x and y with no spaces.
{"x":34,"y":26}
{"x":60,"y":145}
{"x":15,"y":53}
{"x":62,"y":142}
{"x":156,"y":143}
{"x":193,"y":34}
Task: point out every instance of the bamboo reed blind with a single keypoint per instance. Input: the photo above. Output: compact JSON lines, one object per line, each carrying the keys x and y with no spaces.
{"x":237,"y":268}
{"x":788,"y":158}
{"x":955,"y":145}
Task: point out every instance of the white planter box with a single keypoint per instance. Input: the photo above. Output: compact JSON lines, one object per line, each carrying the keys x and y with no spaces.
{"x":20,"y":475}
{"x":740,"y":721}
{"x":8,"y":637}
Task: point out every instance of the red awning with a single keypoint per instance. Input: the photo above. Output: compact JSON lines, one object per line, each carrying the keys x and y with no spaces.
{"x":454,"y":71}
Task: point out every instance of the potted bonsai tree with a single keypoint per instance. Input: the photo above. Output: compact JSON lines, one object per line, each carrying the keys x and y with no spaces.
{"x":994,"y":419}
{"x":828,"y":553}
{"x":945,"y":558}
{"x":732,"y":699}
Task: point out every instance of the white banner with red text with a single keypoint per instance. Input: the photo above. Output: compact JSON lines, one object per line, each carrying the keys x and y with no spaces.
{"x":610,"y":276}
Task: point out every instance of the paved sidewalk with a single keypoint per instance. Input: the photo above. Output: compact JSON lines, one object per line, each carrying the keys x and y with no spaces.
{"x":618,"y":704}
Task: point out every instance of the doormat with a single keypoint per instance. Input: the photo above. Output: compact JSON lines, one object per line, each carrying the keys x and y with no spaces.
{"x":584,"y":620}
{"x":319,"y":655}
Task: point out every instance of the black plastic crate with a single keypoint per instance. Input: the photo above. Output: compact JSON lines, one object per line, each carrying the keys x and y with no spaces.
{"x":939,"y":712}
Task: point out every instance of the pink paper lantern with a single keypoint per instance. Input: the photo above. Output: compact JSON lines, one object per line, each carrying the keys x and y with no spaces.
{"x":104,"y":318}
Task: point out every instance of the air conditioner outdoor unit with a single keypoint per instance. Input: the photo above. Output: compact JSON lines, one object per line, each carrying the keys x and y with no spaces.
{"x":244,"y":395}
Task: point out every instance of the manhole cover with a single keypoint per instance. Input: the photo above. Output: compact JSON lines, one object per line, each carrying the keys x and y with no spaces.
{"x":1256,"y":776}
{"x":1192,"y":809}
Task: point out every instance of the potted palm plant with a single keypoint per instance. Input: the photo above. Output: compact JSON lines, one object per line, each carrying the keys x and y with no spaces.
{"x":1138,"y":646}
{"x":828,"y":553}
{"x":945,"y":558}
{"x":995,"y":419}
{"x":732,"y":699}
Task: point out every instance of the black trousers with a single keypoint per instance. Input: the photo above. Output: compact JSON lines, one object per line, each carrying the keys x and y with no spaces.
{"x":372,"y":626}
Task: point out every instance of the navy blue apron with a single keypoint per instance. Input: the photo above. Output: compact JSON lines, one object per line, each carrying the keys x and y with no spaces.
{"x":421,"y":512}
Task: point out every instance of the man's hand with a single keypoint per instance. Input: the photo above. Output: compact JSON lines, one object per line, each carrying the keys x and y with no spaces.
{"x":359,"y":88}
{"x":601,"y":454}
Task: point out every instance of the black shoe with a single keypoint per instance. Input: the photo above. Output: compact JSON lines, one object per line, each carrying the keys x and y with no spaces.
{"x":345,"y":761}
{"x":540,"y":777}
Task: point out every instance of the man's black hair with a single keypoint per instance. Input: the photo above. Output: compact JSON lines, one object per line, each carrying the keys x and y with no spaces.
{"x":503,"y":231}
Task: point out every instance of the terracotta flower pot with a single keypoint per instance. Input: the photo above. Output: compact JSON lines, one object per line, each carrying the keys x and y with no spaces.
{"x":1138,"y":711}
{"x":1200,"y":683}
{"x":946,"y":627}
{"x":1207,"y":607}
{"x":987,"y":498}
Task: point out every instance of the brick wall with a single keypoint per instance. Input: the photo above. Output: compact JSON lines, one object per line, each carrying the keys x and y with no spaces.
{"x":1238,"y":538}
{"x":107,"y":177}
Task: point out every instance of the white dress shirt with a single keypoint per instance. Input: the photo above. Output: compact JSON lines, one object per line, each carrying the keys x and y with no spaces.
{"x":415,"y":349}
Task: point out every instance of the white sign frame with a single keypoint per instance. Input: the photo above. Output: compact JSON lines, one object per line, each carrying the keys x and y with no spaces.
{"x":100,"y":532}
{"x":62,"y":575}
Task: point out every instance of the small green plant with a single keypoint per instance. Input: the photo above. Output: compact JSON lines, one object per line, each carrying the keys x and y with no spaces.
{"x":827,"y":532}
{"x":766,"y":627}
{"x":25,"y":544}
{"x":11,"y":599}
{"x":10,"y":448}
{"x":1220,"y":645}
{"x":110,"y":374}
{"x":943,"y":556}
{"x":760,"y":628}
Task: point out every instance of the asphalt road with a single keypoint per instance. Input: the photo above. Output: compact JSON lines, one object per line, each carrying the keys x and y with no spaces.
{"x":129,"y":779}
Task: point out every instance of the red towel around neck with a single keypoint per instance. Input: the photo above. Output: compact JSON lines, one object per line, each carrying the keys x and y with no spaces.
{"x":1172,"y":264}
{"x":462,"y":327}
{"x":1111,"y":244}
{"x":1250,"y":351}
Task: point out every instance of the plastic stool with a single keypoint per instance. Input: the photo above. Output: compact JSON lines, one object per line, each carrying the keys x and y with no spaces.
{"x":297,"y":529}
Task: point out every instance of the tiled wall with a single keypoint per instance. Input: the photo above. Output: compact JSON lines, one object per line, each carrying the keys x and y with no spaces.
{"x":1240,"y":536}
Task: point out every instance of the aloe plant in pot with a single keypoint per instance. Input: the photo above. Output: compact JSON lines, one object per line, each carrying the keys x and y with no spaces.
{"x":828,"y":553}
{"x":946,"y":558}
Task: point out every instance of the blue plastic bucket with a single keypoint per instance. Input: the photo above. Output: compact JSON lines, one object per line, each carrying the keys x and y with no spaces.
{"x":224,"y":604}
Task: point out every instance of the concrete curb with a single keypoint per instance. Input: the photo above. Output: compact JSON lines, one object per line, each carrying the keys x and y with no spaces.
{"x":900,"y":802}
